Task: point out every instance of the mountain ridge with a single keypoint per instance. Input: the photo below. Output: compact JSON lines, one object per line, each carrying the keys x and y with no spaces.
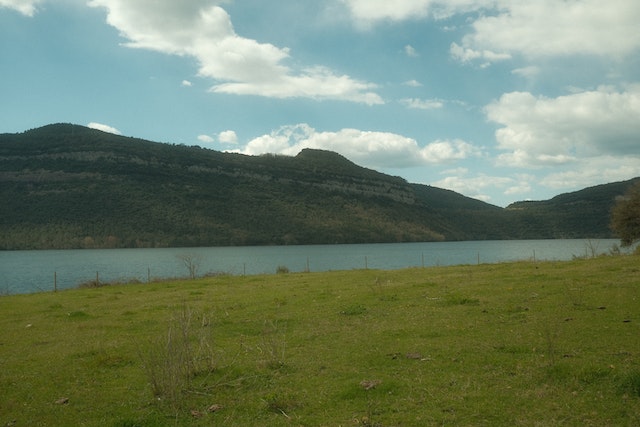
{"x":74,"y":187}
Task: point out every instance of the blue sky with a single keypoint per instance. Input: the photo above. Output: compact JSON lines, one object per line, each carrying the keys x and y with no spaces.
{"x":501,"y":100}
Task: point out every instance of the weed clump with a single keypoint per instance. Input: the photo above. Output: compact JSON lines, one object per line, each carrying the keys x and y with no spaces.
{"x":455,"y":299}
{"x":273,"y":346}
{"x":354,"y":310}
{"x":282,"y":269}
{"x":174,"y":359}
{"x":630,"y":384}
{"x":281,"y":403}
{"x":79,"y":314}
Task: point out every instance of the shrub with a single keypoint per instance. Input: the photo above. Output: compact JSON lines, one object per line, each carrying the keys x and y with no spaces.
{"x":174,"y":359}
{"x":282,"y":269}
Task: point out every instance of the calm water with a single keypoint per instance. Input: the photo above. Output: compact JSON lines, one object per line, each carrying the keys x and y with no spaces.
{"x":34,"y":271}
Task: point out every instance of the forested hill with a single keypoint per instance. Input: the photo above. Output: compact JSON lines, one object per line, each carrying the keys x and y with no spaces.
{"x":577,"y":214}
{"x":68,"y":186}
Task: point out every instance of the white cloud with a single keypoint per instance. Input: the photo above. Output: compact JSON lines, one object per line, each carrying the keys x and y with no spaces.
{"x":534,"y":29}
{"x":446,"y":151}
{"x":539,"y":131}
{"x":104,"y":128}
{"x":422,"y":104}
{"x":368,"y":12}
{"x":593,"y":171}
{"x":472,"y":186}
{"x":372,"y":149}
{"x":546,"y":28}
{"x":26,"y":7}
{"x":186,"y":83}
{"x":206,"y":139}
{"x":203,"y":30}
{"x":466,"y":54}
{"x":518,"y":188}
{"x":410,"y":51}
{"x":412,"y":83}
{"x":228,"y":137}
{"x":527,"y":72}
{"x":316,"y":83}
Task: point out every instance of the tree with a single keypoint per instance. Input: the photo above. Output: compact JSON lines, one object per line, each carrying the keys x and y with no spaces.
{"x":625,"y":216}
{"x":192,"y":262}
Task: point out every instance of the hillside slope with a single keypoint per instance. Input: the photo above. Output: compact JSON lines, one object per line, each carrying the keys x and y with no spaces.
{"x":571,"y":215}
{"x":67,"y":186}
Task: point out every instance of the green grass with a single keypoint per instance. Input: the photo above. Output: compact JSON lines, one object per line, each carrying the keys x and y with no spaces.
{"x":515,"y":344}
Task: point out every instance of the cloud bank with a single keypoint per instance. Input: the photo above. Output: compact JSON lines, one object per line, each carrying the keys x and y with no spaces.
{"x":369,"y":12}
{"x":203,"y":30}
{"x":25,"y":7}
{"x":501,"y":29}
{"x":543,"y":28}
{"x":372,"y":149}
{"x":541,"y":131}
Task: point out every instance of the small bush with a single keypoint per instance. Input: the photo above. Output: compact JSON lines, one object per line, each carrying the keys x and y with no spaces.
{"x":174,"y":359}
{"x":282,"y":269}
{"x":91,"y":284}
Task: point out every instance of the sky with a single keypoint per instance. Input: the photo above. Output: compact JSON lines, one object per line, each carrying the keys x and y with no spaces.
{"x":500,"y":100}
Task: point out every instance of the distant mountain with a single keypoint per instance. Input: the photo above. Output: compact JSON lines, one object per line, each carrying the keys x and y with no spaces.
{"x":68,"y":186}
{"x":583,"y":213}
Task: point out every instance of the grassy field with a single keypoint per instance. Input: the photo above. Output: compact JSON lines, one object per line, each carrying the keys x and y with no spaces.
{"x":515,"y":344}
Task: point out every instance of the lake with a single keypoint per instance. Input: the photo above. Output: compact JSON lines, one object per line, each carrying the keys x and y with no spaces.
{"x":38,"y":271}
